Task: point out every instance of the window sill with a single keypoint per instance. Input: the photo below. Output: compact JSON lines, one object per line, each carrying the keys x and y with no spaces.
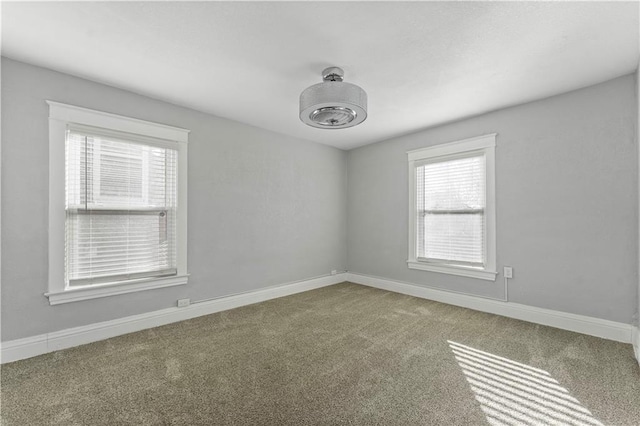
{"x":453,"y":270}
{"x":112,"y":289}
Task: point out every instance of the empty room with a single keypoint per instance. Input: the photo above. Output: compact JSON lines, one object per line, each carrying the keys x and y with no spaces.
{"x":320,"y":213}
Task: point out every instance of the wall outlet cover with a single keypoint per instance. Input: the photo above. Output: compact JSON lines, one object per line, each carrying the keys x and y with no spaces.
{"x":508,"y":272}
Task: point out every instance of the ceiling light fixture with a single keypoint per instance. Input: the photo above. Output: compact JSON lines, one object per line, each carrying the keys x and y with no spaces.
{"x":333,"y":104}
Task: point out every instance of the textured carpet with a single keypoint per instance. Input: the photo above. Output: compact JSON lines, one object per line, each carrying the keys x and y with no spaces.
{"x":344,"y":354}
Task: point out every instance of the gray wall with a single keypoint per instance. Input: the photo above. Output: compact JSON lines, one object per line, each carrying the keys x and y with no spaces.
{"x":567,"y":203}
{"x":264,"y":208}
{"x":638,"y":144}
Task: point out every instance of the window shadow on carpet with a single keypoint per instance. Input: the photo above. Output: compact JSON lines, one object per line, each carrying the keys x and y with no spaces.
{"x":511,"y":393}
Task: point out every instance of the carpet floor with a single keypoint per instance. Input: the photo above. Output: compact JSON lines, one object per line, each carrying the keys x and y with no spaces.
{"x":344,"y":354}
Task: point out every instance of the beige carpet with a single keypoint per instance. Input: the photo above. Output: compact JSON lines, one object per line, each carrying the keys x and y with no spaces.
{"x":344,"y":354}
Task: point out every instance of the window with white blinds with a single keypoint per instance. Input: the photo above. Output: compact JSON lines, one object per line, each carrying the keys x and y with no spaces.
{"x":117,"y":204}
{"x":452,"y":197}
{"x":451,"y":201}
{"x":121,"y":206}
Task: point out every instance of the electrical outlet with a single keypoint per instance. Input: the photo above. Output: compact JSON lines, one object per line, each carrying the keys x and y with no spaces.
{"x":508,"y":272}
{"x":183,"y":303}
{"x":334,"y":272}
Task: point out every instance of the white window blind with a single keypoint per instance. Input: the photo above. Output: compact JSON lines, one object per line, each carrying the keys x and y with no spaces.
{"x":121,"y":205}
{"x":450,"y":204}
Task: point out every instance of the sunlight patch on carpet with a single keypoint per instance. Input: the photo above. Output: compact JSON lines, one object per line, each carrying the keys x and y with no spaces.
{"x":511,"y":393}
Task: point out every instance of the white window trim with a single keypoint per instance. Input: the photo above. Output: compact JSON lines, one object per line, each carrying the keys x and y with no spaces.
{"x":62,"y":115}
{"x":486,"y":144}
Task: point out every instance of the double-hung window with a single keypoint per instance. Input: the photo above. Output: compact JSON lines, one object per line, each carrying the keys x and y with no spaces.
{"x":117,"y":204}
{"x":452,"y":208}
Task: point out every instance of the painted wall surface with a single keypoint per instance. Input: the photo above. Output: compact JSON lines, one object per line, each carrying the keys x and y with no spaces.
{"x":264,"y":208}
{"x":638,"y":144}
{"x":636,"y":338}
{"x":567,"y":203}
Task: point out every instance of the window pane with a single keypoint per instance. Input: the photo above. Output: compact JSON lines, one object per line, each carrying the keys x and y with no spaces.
{"x":116,"y":244}
{"x":115,"y":174}
{"x":121,"y":209}
{"x":121,"y":170}
{"x":455,"y":237}
{"x":454,"y":184}
{"x":450,"y":209}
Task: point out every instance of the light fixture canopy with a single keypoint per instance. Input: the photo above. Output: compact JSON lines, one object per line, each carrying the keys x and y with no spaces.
{"x":333,"y":104}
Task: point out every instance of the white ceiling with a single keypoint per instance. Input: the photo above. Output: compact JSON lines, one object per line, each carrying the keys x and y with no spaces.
{"x":421,"y":63}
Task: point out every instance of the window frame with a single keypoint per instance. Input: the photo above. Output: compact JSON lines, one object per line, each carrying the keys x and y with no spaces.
{"x":459,"y":149}
{"x":61,"y":116}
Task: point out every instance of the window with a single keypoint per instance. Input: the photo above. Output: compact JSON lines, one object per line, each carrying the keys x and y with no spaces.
{"x":452,"y":208}
{"x":117,"y":204}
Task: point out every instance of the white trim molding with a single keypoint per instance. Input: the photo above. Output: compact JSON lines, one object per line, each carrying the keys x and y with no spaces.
{"x":15,"y":350}
{"x":470,"y":144}
{"x":115,"y":288}
{"x":89,"y":117}
{"x":453,"y":270}
{"x":636,"y":343}
{"x":577,"y":323}
{"x":478,"y":146}
{"x":62,"y":117}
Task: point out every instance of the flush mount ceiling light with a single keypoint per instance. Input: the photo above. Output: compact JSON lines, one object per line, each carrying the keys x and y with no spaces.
{"x":333,"y":104}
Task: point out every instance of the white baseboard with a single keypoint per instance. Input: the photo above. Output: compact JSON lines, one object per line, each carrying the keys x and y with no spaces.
{"x":581,"y":324}
{"x":18,"y":349}
{"x":15,"y":350}
{"x":636,"y":342}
